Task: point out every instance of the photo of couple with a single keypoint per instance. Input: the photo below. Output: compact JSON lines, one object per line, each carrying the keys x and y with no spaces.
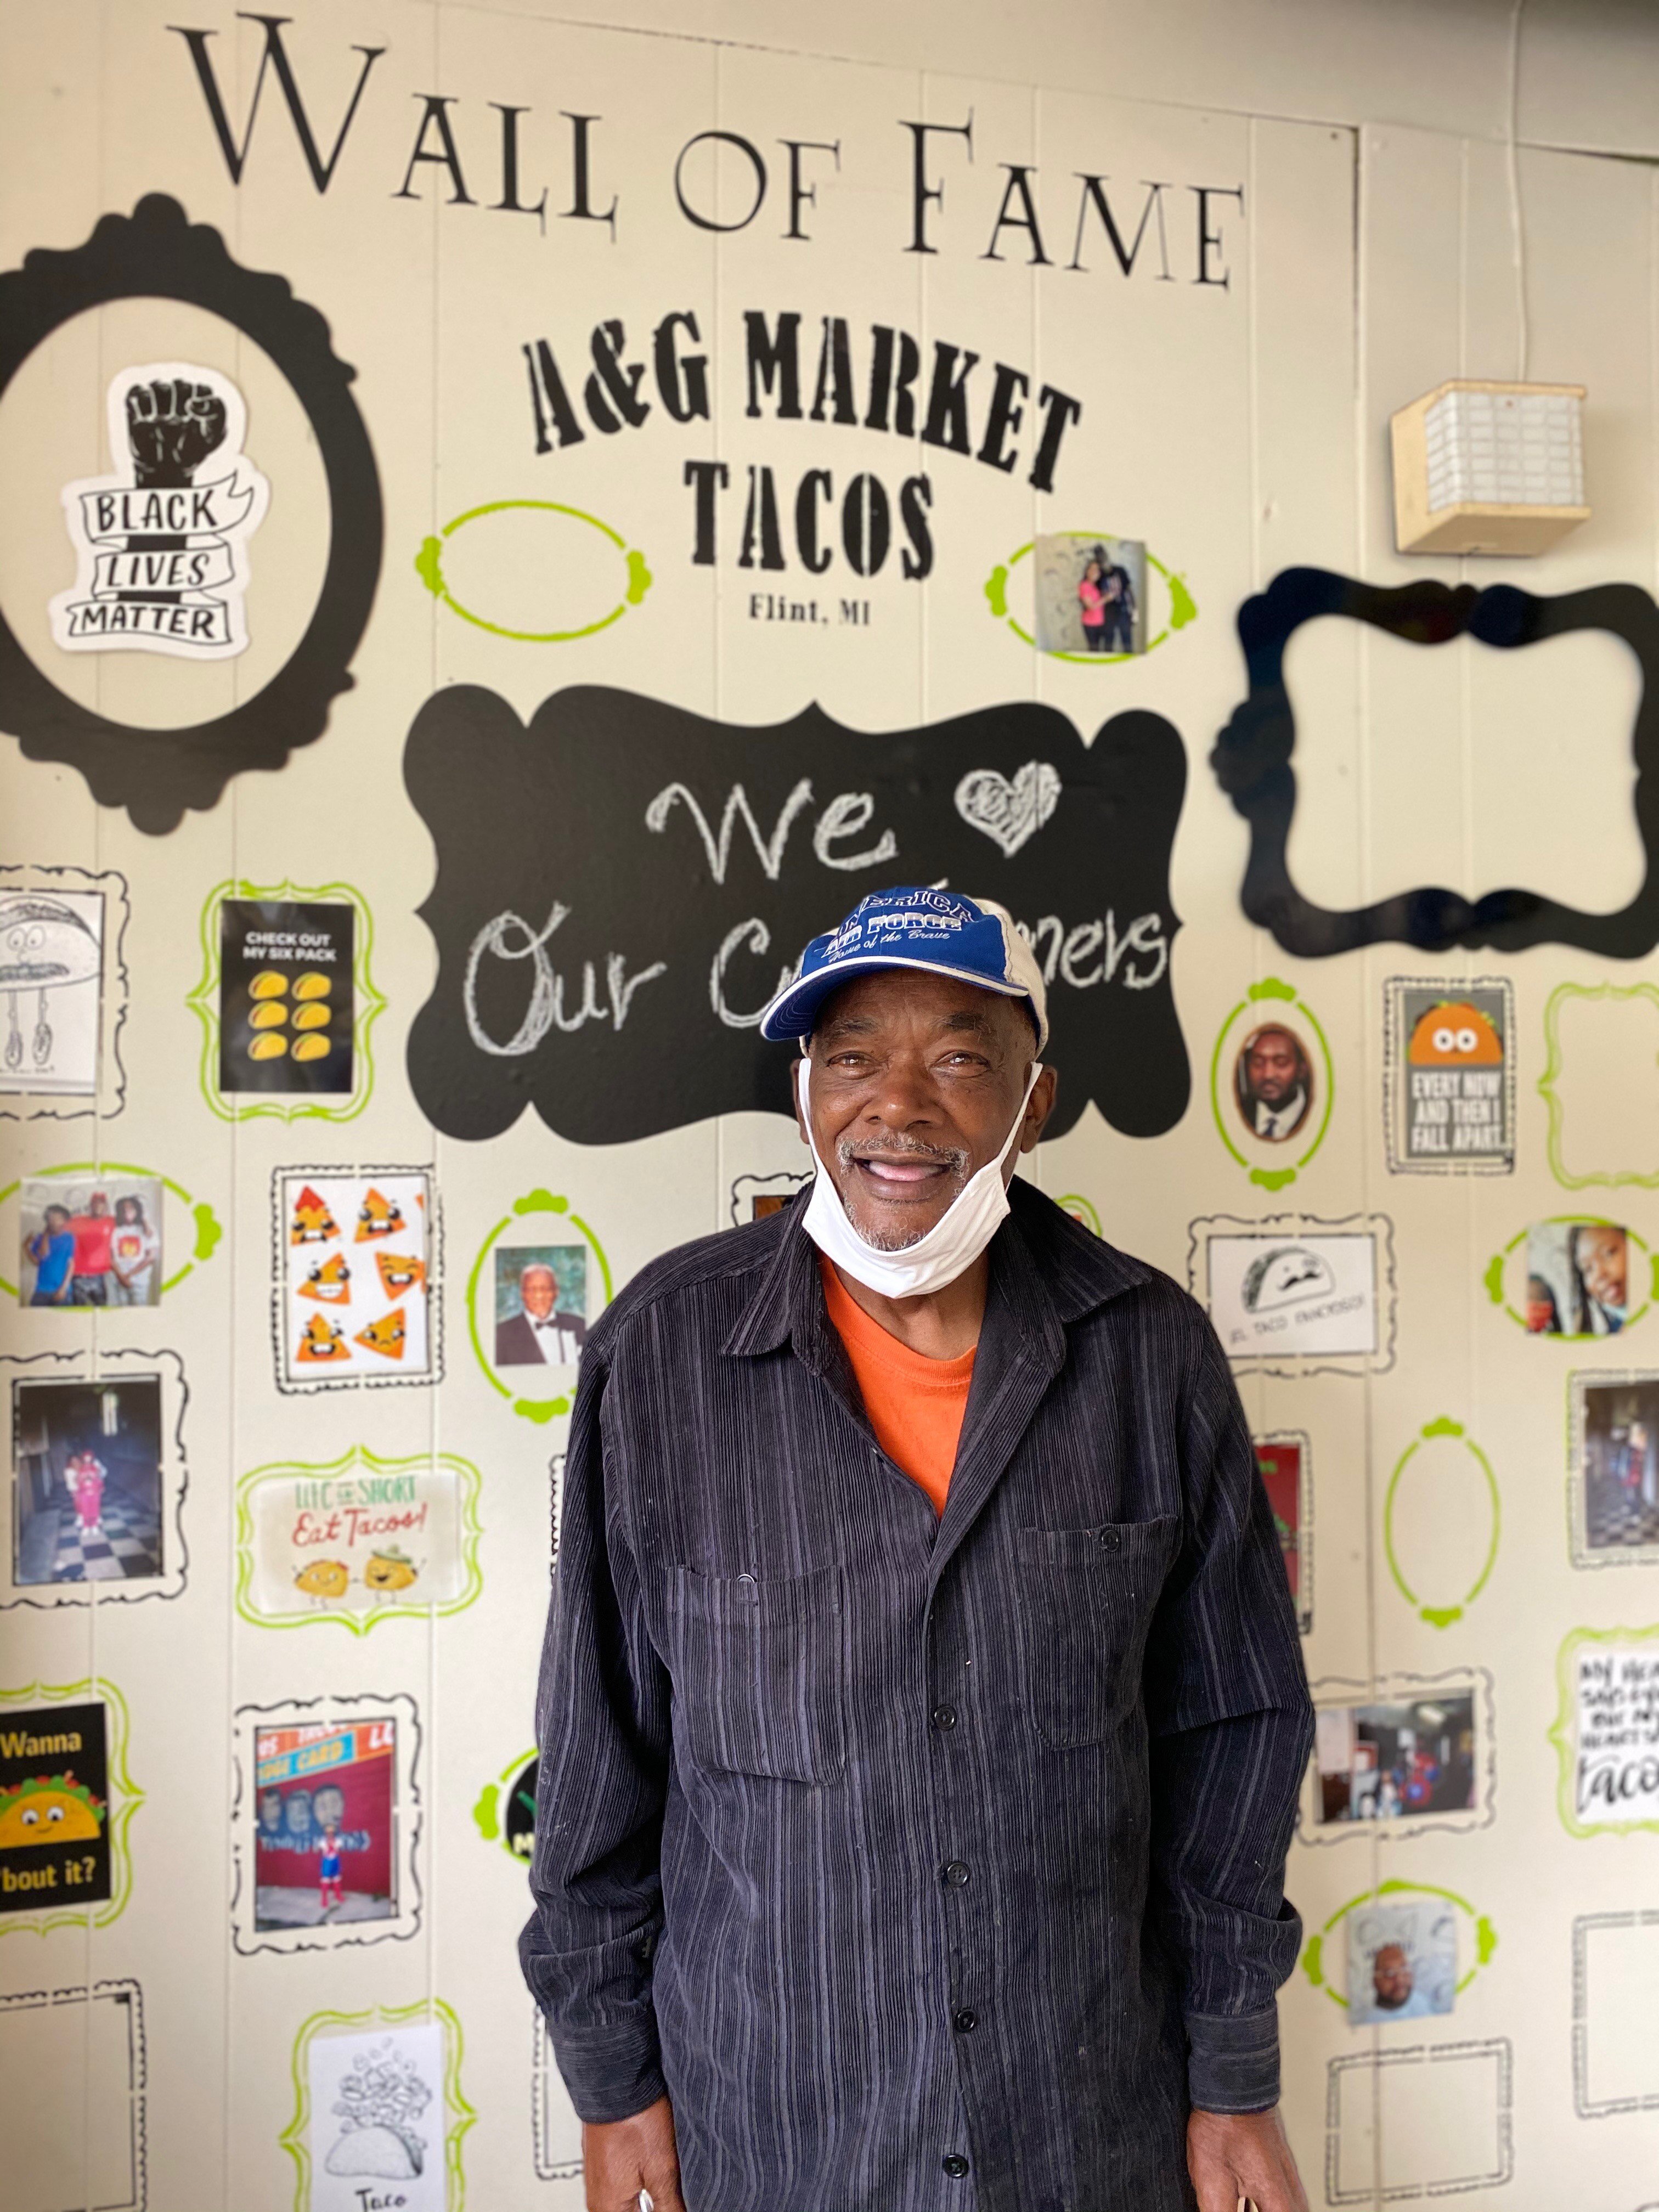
{"x":1090,"y":594}
{"x":91,"y":1244}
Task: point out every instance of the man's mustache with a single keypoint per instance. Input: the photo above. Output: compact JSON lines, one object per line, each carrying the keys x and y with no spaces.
{"x":851,"y":1148}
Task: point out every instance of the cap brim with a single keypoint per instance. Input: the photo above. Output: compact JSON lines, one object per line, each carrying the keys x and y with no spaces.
{"x":792,"y":1012}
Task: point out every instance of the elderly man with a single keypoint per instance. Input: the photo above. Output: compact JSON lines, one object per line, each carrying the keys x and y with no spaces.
{"x":922,"y":1714}
{"x":539,"y":1332}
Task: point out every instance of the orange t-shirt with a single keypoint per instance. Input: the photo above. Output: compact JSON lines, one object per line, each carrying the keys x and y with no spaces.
{"x":915,"y":1403}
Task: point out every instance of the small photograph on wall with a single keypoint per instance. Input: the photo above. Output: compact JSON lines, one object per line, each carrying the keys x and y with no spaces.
{"x":354,"y":1294}
{"x":1579,"y":1279}
{"x":324,"y":1845}
{"x":285,"y":995}
{"x":91,"y":1241}
{"x":1396,"y":1762}
{"x":1285,"y":1460}
{"x":1615,"y":1431}
{"x":52,"y":967}
{"x":1274,"y":1090}
{"x":1090,"y":594}
{"x":541,"y":1305}
{"x":1402,"y":1963}
{"x":1449,"y":1075}
{"x":87,"y":1480}
{"x":54,"y":1806}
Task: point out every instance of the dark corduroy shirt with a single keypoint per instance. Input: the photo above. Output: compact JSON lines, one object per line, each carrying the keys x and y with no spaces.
{"x":928,"y":1865}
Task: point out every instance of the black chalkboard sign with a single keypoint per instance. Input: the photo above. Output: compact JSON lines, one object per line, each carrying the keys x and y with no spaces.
{"x":622,"y":886}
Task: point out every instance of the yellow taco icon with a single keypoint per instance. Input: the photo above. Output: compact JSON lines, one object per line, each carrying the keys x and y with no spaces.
{"x":267,"y":1047}
{"x":48,"y":1809}
{"x":271,"y":1016}
{"x":390,"y":1570}
{"x":313,"y":1017}
{"x":269,"y":983}
{"x":324,"y":1579}
{"x":311,"y":1048}
{"x":313,"y":986}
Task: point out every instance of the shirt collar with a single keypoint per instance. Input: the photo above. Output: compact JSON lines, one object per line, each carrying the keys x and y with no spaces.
{"x":1047,"y":1271}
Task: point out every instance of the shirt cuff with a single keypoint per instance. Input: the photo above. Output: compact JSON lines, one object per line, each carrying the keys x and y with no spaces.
{"x":1233,"y":2065}
{"x":610,"y":2081}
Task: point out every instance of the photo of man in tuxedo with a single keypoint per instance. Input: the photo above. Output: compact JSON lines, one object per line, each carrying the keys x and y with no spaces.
{"x":542,"y":1332}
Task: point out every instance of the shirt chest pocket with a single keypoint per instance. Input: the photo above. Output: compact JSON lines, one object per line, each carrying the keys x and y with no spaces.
{"x":759,"y":1673}
{"x":1088,"y":1596}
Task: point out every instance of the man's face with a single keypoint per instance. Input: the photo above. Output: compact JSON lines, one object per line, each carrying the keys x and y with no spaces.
{"x":1271,"y":1067}
{"x":270,"y":1811}
{"x":1601,"y":1263}
{"x":539,"y":1292}
{"x":296,"y":1813}
{"x":915,"y":1081}
{"x":1391,"y":1977}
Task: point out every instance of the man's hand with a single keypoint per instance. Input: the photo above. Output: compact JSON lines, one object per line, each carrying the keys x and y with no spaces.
{"x":1239,"y":2155}
{"x":172,"y":428}
{"x":622,"y":2157}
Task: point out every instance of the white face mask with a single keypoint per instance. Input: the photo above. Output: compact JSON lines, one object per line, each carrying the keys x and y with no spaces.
{"x":950,"y":1246}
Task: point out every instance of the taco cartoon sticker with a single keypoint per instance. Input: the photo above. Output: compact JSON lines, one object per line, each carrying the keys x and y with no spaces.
{"x":1449,"y":1077}
{"x":391,"y":1334}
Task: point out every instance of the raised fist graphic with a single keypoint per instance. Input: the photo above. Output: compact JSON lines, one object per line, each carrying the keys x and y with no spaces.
{"x":172,"y":428}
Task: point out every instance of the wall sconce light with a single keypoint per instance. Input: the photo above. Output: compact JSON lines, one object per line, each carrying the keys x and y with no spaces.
{"x":1489,"y":468}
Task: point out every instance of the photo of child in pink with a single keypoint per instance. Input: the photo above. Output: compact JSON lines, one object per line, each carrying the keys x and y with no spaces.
{"x":1092,"y":595}
{"x":85,"y":1476}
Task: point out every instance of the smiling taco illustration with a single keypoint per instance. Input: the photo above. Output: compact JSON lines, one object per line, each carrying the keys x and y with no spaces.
{"x":1454,"y":1034}
{"x":378,"y":1216}
{"x":313,"y":1223}
{"x":386,"y":1336}
{"x":329,"y":1279}
{"x":390,"y":1570}
{"x":324,"y":1579}
{"x":48,"y":1809}
{"x":323,"y":1340}
{"x":399,"y":1272}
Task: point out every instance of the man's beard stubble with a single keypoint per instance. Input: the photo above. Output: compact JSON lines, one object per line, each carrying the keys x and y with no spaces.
{"x":849,"y":1150}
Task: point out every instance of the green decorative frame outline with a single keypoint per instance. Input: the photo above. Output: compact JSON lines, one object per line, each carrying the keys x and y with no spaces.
{"x":428,"y":567}
{"x":98,"y":1913}
{"x":1441,"y":1616}
{"x":293,"y":2137}
{"x":1184,"y":609}
{"x":534,"y":1201}
{"x":360,"y":1623}
{"x":1553,"y":1065}
{"x":1313,"y":1951}
{"x":207,"y":1231}
{"x":1493,"y":1278}
{"x":367,"y":1004}
{"x":1562,"y":1736}
{"x":1076,"y":1198}
{"x":1271,"y":988}
{"x":486,"y":1811}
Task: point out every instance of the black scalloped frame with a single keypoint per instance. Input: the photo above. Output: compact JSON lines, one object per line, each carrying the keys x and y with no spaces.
{"x":1253,"y":754}
{"x":158,"y":774}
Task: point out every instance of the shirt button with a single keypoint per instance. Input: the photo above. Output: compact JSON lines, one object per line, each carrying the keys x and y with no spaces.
{"x":965,"y":2020}
{"x":956,"y":1874}
{"x":944,"y":1717}
{"x":1110,"y":1540}
{"x":956,"y":2165}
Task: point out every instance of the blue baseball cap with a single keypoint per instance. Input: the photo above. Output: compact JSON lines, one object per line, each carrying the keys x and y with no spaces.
{"x":939,"y":932}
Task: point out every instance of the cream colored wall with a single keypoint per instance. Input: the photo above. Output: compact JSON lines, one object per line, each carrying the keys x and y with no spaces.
{"x":1239,"y":433}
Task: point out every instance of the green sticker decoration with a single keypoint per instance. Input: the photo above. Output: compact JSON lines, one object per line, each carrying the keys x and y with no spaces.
{"x":1182,"y":607}
{"x":1484,"y":1934}
{"x":1256,"y":1007}
{"x":534,"y":1202}
{"x":634,"y":583}
{"x":1618,"y":993}
{"x":1441,"y":1616}
{"x":493,"y":1810}
{"x":209,"y":1232}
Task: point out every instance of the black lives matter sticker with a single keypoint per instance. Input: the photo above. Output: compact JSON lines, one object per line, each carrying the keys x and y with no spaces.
{"x":54,"y":1808}
{"x":285,"y":995}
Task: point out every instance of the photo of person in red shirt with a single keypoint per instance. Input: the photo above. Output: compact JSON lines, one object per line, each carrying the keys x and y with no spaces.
{"x":93,"y":1231}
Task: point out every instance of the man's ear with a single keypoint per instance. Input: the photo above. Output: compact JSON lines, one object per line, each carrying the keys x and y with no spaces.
{"x":1038,"y":1107}
{"x":794,"y":1093}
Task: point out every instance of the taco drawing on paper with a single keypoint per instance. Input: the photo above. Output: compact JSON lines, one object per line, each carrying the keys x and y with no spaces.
{"x":1286,"y":1276}
{"x":313,"y":1223}
{"x":378,"y":1216}
{"x":48,"y":1809}
{"x":399,"y":1272}
{"x":390,"y":1570}
{"x":322,"y":1342}
{"x":330,"y":1280}
{"x":324,"y":1579}
{"x":386,"y":1336}
{"x":1454,"y":1034}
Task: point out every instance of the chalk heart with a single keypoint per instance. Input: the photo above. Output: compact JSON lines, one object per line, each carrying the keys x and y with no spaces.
{"x":1009,"y":813}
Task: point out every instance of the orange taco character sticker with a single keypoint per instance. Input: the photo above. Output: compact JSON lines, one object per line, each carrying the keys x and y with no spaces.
{"x":324,"y":1579}
{"x":378,"y":1216}
{"x":313,"y":1223}
{"x":386,"y":1335}
{"x":390,"y":1570}
{"x":329,"y":1279}
{"x":1454,"y":1034}
{"x":48,"y":1809}
{"x":399,"y":1272}
{"x":322,"y":1341}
